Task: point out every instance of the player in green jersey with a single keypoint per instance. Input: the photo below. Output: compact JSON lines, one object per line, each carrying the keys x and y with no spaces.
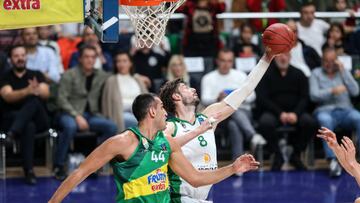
{"x":140,"y":156}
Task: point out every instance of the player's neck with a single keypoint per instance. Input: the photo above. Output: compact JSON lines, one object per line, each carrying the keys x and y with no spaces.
{"x":148,"y":130}
{"x":186,"y":113}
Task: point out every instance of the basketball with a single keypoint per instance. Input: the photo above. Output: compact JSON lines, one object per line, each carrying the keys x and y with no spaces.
{"x":279,"y":38}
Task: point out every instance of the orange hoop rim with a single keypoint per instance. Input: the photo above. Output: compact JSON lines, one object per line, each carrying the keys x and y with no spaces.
{"x":141,"y":2}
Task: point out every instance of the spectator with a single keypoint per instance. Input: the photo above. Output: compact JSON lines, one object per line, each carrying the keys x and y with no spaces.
{"x":103,"y":60}
{"x":80,"y":105}
{"x":177,"y":69}
{"x":163,"y":48}
{"x":216,"y":85}
{"x":244,"y":46}
{"x":283,"y":95}
{"x":23,"y":92}
{"x":201,"y":31}
{"x":117,"y":99}
{"x":349,"y":24}
{"x":238,"y":6}
{"x":39,"y":57}
{"x":303,"y":57}
{"x":336,"y":39}
{"x":310,"y":30}
{"x":45,"y":34}
{"x":150,"y":66}
{"x":264,"y":6}
{"x":331,"y":87}
{"x":9,"y":38}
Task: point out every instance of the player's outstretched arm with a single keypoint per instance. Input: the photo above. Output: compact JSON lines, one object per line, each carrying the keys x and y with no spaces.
{"x":182,"y":167}
{"x":233,"y":101}
{"x":98,"y":158}
{"x":187,"y":137}
{"x":349,"y":151}
{"x":331,"y":140}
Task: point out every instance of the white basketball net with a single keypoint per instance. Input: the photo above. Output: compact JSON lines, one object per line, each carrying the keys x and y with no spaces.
{"x":150,"y":21}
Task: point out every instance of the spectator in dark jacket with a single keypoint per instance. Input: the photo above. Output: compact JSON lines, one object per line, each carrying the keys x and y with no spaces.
{"x":303,"y":57}
{"x":283,"y":96}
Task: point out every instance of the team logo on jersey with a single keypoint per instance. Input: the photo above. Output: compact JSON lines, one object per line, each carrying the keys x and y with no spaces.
{"x":207,"y":158}
{"x":158,"y":181}
{"x":201,"y":120}
{"x":163,"y":147}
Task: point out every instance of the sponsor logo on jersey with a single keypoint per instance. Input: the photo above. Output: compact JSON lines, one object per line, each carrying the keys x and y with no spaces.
{"x":145,"y":143}
{"x":157,"y":181}
{"x":183,"y":125}
{"x":207,"y":158}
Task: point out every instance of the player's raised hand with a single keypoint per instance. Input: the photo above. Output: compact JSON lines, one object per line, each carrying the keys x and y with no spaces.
{"x":245,"y":163}
{"x":349,"y":151}
{"x":329,"y":136}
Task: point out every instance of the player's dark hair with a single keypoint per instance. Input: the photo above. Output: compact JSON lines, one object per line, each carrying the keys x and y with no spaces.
{"x":86,"y":47}
{"x":141,"y":105}
{"x":166,"y":92}
{"x":12,"y":48}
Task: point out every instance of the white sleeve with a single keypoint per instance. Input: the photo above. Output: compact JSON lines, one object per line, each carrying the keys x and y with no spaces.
{"x":239,"y":95}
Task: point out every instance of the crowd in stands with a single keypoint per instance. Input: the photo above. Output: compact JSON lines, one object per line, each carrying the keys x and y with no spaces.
{"x":63,"y":77}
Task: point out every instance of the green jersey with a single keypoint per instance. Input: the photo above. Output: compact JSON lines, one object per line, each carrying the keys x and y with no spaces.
{"x":143,"y":177}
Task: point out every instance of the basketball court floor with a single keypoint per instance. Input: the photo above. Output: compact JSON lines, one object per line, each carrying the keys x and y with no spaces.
{"x":255,"y":187}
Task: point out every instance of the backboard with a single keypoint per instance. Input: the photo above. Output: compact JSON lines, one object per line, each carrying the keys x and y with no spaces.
{"x":105,"y":24}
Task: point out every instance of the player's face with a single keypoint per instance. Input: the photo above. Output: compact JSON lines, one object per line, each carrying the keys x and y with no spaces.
{"x":161,"y":114}
{"x":189,"y":96}
{"x":87,"y":59}
{"x":225,"y":62}
{"x":18,"y":58}
{"x":308,"y":14}
{"x":30,"y":37}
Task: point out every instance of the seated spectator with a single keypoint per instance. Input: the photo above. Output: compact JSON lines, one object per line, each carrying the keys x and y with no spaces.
{"x":349,"y":24}
{"x":23,"y":112}
{"x":216,"y":85}
{"x":8,"y":38}
{"x":150,"y":66}
{"x":336,"y":39}
{"x":103,"y":60}
{"x":331,"y":87}
{"x":201,"y":31}
{"x":163,"y":48}
{"x":244,"y":46}
{"x":39,"y":57}
{"x":117,"y":98}
{"x":45,"y":34}
{"x":78,"y":99}
{"x":264,"y":6}
{"x":283,"y":95}
{"x":177,"y":69}
{"x":303,"y":57}
{"x":310,"y":30}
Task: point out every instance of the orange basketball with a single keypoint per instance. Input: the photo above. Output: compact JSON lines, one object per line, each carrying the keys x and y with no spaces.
{"x":279,"y":38}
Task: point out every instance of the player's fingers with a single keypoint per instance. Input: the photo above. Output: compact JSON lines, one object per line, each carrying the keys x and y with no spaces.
{"x":349,"y":142}
{"x":343,"y":148}
{"x":346,"y":145}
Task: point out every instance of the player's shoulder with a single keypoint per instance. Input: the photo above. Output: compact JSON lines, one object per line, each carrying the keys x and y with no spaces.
{"x":171,"y":127}
{"x":125,"y":138}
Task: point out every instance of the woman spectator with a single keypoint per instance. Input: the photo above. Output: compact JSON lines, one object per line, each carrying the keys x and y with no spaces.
{"x":243,"y":46}
{"x":177,"y":69}
{"x":336,"y":39}
{"x":120,"y":91}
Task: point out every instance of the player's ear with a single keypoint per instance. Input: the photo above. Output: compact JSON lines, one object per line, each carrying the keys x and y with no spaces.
{"x":152,"y":111}
{"x":176,"y":96}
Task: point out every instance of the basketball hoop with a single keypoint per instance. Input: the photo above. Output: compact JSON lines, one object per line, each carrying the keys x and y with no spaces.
{"x":149,"y":18}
